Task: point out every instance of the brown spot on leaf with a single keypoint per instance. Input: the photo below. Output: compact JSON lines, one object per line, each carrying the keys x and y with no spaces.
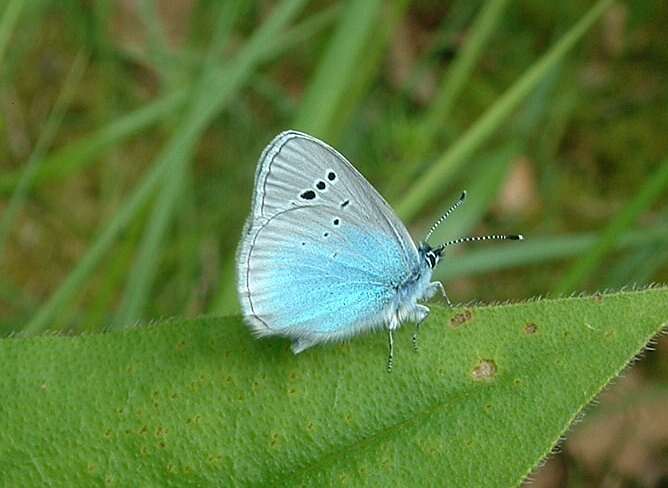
{"x":485,"y":371}
{"x":530,"y":328}
{"x":461,"y":318}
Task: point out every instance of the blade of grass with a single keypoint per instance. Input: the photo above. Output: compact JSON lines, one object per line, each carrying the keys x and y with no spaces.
{"x":372,"y":55}
{"x":654,"y":187}
{"x":46,"y":137}
{"x":304,"y":31}
{"x":460,"y":14}
{"x":220,"y":89}
{"x":157,"y":44}
{"x":420,"y":147}
{"x":10,"y":17}
{"x":80,"y":154}
{"x":338,"y":67}
{"x":434,"y":180}
{"x":114,"y":272}
{"x":456,"y":77}
{"x":538,"y":250}
{"x":638,"y":267}
{"x":141,"y":279}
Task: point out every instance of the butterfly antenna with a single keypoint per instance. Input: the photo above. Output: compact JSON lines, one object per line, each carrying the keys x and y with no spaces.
{"x":445,"y":215}
{"x":497,"y":237}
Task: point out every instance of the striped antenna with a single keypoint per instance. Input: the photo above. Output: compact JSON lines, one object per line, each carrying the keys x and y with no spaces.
{"x":445,"y":215}
{"x":500,"y":237}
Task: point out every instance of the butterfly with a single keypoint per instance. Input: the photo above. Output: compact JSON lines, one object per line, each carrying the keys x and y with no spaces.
{"x":323,"y":257}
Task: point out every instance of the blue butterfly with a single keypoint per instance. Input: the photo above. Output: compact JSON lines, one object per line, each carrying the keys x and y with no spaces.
{"x":323,"y":257}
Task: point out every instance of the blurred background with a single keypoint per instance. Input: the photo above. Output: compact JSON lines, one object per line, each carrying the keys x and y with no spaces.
{"x":130,"y":131}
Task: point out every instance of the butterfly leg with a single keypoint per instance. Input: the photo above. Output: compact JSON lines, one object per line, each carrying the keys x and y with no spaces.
{"x":390,"y":355}
{"x":301,"y":344}
{"x":433,"y":288}
{"x":421,"y":313}
{"x":394,"y":323}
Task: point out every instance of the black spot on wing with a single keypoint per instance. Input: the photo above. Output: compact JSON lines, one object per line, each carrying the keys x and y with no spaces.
{"x":320,"y":185}
{"x":308,"y":195}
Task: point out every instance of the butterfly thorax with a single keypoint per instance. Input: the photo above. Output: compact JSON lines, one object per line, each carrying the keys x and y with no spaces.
{"x":415,"y":287}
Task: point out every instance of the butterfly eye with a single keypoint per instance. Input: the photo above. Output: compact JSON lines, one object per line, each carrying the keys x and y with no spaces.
{"x":308,"y":195}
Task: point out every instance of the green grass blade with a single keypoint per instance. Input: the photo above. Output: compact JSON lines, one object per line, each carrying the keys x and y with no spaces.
{"x":654,"y":187}
{"x":220,"y":88}
{"x":10,"y":16}
{"x":78,"y":155}
{"x":202,"y":403}
{"x":338,"y":67}
{"x":304,"y":31}
{"x":157,"y":44}
{"x":538,"y":250}
{"x":141,"y":279}
{"x":436,"y":178}
{"x":638,"y":267}
{"x":47,"y":135}
{"x":85,"y":267}
{"x":456,"y":77}
{"x":372,"y":53}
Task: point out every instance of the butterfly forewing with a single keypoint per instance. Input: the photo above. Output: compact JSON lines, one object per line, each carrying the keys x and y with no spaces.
{"x":322,"y":252}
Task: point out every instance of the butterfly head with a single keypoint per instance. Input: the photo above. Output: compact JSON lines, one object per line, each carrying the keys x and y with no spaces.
{"x":430,"y":255}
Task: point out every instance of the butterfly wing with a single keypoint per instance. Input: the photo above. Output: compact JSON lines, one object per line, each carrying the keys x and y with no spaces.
{"x":322,"y":253}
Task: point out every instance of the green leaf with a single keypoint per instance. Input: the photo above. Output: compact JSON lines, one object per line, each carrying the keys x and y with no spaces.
{"x":201,"y":403}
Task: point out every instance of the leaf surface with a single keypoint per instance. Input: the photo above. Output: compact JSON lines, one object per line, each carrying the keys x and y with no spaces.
{"x":199,"y":402}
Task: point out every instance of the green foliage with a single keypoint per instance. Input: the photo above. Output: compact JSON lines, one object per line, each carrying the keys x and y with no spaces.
{"x":219,"y":88}
{"x":651,"y":191}
{"x":443,"y":169}
{"x":199,"y":402}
